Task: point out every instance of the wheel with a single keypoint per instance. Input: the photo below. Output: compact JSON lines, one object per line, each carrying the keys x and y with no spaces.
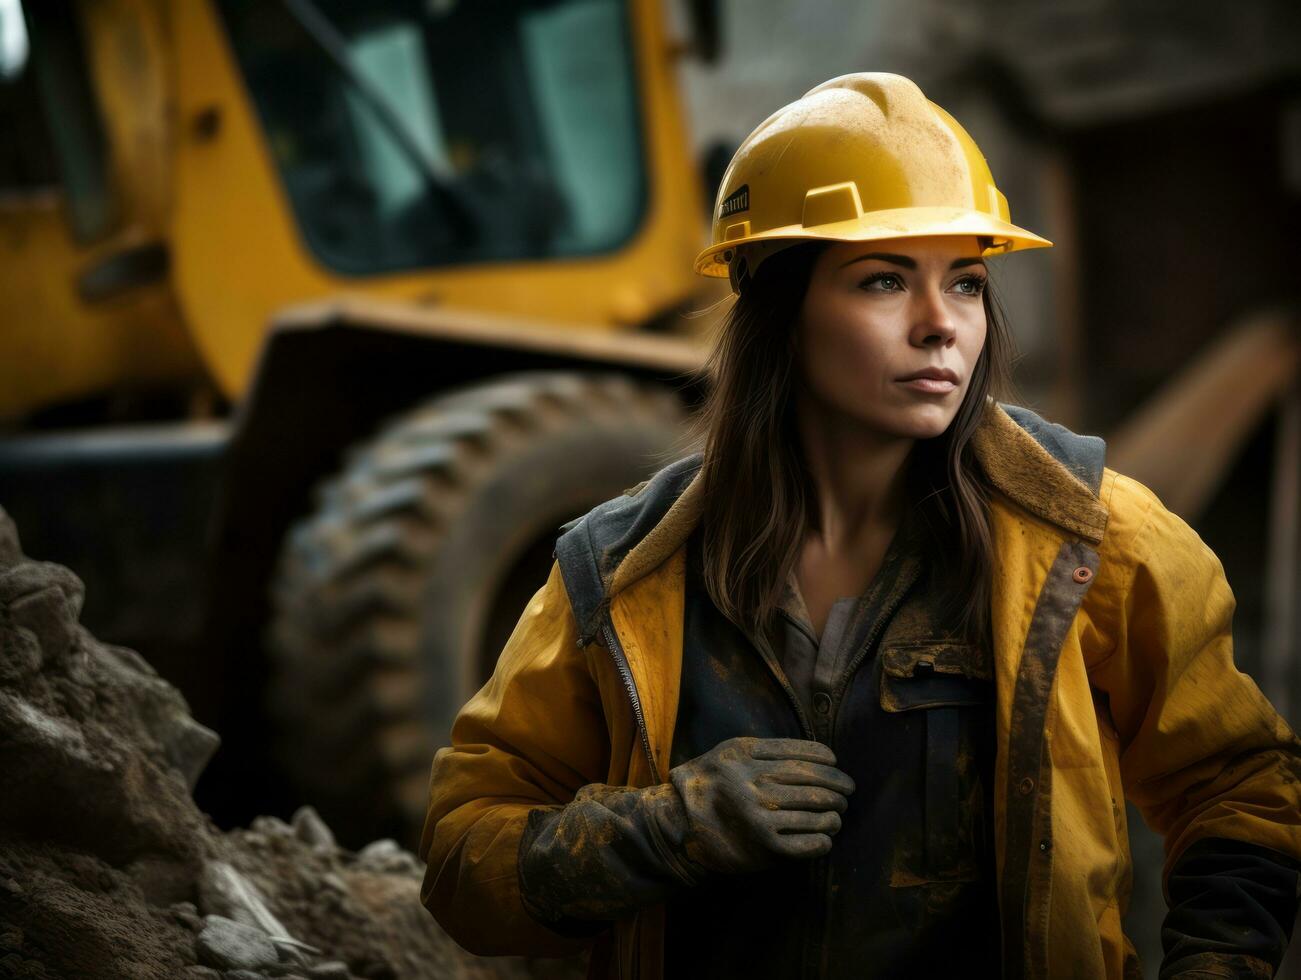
{"x":393,"y":599}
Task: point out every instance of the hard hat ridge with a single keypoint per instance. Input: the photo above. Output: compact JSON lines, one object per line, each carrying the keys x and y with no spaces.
{"x":859,"y":157}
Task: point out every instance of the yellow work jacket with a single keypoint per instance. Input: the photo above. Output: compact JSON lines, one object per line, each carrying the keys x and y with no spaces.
{"x":1114,"y":679}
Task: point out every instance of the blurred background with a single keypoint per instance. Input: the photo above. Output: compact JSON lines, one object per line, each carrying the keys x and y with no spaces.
{"x":317,"y":319}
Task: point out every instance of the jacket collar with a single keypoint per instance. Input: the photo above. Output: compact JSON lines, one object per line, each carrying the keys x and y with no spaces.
{"x":1049,"y":471}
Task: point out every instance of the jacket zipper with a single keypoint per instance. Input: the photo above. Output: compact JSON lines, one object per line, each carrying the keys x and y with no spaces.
{"x":621,"y":664}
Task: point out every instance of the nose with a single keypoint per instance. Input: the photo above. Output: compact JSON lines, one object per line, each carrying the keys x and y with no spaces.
{"x":932,"y":319}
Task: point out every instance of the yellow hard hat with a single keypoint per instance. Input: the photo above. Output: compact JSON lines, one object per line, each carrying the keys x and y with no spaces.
{"x":860,"y":157}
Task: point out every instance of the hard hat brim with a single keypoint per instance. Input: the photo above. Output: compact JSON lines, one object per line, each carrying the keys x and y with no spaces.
{"x":914,"y":222}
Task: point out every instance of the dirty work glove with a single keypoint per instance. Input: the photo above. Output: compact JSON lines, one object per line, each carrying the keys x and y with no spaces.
{"x":741,"y":806}
{"x":752,"y":801}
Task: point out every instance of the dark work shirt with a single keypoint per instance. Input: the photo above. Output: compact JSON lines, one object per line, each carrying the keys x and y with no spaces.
{"x":908,"y":888}
{"x":814,"y":663}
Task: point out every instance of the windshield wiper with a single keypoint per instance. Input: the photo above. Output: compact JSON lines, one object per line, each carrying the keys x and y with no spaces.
{"x":326,"y":36}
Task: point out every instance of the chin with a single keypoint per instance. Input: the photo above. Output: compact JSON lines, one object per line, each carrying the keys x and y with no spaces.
{"x":923,"y":421}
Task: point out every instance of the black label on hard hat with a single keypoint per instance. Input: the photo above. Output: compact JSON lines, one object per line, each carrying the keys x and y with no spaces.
{"x":738,"y":200}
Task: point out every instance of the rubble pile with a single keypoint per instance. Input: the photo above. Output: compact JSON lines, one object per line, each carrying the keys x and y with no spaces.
{"x":107,"y":867}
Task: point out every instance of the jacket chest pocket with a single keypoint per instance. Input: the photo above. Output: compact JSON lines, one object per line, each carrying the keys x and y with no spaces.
{"x":949,"y":688}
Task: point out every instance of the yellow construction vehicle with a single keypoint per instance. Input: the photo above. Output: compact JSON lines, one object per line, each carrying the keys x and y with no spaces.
{"x":318,"y":319}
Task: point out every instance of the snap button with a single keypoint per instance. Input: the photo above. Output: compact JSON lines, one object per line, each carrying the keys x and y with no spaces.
{"x":1026,"y":785}
{"x":822,"y":702}
{"x":1044,"y":845}
{"x":1083,"y":573}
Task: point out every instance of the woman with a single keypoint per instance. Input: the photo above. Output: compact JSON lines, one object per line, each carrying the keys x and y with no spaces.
{"x":860,"y":689}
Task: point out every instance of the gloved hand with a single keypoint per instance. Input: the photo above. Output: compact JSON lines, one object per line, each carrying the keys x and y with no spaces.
{"x":753,"y":801}
{"x":741,"y":806}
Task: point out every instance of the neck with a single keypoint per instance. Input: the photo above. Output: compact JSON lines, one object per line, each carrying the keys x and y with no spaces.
{"x":858,"y":474}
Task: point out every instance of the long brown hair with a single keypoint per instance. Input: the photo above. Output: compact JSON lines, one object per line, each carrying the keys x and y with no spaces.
{"x":758,"y":493}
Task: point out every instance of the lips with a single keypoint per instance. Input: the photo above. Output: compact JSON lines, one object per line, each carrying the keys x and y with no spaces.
{"x":935,"y":373}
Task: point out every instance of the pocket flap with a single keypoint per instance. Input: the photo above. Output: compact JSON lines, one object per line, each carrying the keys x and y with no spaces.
{"x":920,"y":659}
{"x":932,"y":675}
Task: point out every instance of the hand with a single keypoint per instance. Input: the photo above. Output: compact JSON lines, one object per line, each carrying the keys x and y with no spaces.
{"x":752,"y":801}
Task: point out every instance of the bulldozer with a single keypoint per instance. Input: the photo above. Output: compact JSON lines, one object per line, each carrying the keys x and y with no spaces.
{"x":319,"y":319}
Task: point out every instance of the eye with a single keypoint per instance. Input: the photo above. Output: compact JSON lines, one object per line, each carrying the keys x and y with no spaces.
{"x":972,"y":285}
{"x":890,"y":283}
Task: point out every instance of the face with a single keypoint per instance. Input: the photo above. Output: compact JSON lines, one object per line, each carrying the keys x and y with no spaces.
{"x":879,"y":313}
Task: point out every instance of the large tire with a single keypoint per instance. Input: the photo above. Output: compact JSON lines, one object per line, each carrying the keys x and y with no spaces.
{"x":393,"y":599}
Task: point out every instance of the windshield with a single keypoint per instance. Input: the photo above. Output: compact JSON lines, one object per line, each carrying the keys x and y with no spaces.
{"x":412,"y":133}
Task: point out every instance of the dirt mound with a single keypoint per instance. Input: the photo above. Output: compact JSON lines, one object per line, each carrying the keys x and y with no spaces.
{"x":108,"y":869}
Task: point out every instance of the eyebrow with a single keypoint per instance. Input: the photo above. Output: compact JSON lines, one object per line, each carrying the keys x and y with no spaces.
{"x":907,"y":262}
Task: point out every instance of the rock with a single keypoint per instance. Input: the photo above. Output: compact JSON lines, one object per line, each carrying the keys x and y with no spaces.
{"x":387,"y":855}
{"x":162,"y":880}
{"x":11,"y":551}
{"x":333,"y":882}
{"x":287,"y":968}
{"x":227,"y":893}
{"x":271,"y":826}
{"x":231,"y":945}
{"x":187,"y":915}
{"x":378,"y":850}
{"x":333,"y":970}
{"x":46,"y":614}
{"x":311,"y":829}
{"x":50,"y":738}
{"x":22,"y":658}
{"x":30,"y":577}
{"x":187,"y":746}
{"x":129,"y":658}
{"x":106,"y":863}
